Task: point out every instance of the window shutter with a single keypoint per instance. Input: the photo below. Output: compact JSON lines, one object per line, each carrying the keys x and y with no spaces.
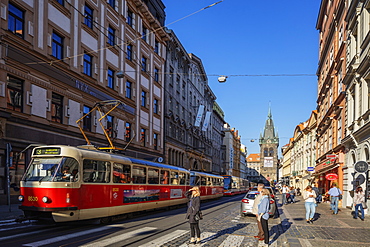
{"x":3,"y":11}
{"x":30,"y":28}
{"x":49,"y":39}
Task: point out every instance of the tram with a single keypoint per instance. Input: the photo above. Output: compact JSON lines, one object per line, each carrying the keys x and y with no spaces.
{"x":68,"y":183}
{"x":235,"y":185}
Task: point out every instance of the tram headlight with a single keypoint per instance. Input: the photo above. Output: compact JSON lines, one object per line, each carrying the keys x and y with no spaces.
{"x":45,"y":199}
{"x":21,"y":198}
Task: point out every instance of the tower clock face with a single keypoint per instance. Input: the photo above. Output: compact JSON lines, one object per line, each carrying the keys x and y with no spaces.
{"x":268,"y":141}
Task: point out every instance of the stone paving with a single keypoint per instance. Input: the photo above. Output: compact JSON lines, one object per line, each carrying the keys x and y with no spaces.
{"x":327,"y":230}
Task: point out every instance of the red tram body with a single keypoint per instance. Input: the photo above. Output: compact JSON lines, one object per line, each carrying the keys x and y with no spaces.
{"x":77,"y":183}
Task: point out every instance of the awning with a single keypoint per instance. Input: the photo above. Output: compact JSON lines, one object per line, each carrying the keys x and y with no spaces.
{"x":323,"y":170}
{"x":308,"y":177}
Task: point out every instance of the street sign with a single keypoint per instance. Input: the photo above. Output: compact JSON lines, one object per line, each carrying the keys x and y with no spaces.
{"x":361,"y":166}
{"x":310,"y":169}
{"x":331,"y":176}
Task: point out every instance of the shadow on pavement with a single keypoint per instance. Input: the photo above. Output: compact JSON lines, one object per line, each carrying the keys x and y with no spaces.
{"x":277,"y":230}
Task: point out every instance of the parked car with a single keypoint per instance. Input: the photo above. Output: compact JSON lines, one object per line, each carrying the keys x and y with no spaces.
{"x":272,"y":192}
{"x":248,"y":201}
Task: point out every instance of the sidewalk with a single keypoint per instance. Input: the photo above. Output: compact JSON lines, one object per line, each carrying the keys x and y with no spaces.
{"x":14,"y":212}
{"x":328,"y":229}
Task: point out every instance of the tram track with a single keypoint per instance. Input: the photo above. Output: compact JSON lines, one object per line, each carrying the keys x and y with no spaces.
{"x":90,"y":231}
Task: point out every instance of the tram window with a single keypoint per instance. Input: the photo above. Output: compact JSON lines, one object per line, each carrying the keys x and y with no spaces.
{"x":203,"y":181}
{"x":138,"y":175}
{"x":182,"y":178}
{"x":153,"y":176}
{"x":209,"y":181}
{"x":164,"y":176}
{"x":194,"y":180}
{"x":68,"y":170}
{"x":96,"y":171}
{"x":121,"y":173}
{"x":174,"y":178}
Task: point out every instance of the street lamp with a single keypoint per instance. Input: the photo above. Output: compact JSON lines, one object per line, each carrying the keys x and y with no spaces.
{"x":222,"y":78}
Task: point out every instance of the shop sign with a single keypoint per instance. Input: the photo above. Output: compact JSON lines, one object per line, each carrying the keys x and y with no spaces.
{"x":310,"y":169}
{"x":361,"y":166}
{"x":331,"y":176}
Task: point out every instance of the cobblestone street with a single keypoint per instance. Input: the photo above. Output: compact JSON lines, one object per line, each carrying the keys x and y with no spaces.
{"x":290,"y":229}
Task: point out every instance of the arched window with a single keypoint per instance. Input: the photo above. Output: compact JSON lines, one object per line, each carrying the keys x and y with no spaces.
{"x":265,"y":152}
{"x":271,"y":152}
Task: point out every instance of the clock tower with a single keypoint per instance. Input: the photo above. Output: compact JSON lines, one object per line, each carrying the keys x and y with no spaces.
{"x":269,"y":143}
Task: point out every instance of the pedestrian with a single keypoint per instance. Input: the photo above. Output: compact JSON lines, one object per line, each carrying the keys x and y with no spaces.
{"x":358,"y":201}
{"x":318,"y":195}
{"x":263,"y":214}
{"x":284,"y":191}
{"x":193,"y":196}
{"x":292,"y":193}
{"x":310,"y":203}
{"x":257,"y":201}
{"x":334,"y":193}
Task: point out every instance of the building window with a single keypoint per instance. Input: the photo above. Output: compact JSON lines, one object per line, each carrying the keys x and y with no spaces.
{"x":143,"y":98}
{"x":111,"y":36}
{"x":112,"y":3}
{"x":155,"y":141}
{"x":128,"y":132}
{"x":87,"y":64}
{"x":129,"y":52}
{"x":89,"y":16}
{"x":87,"y":119}
{"x":15,"y":92}
{"x":128,"y":89}
{"x":57,"y":46}
{"x":57,"y":108}
{"x":110,"y":78}
{"x":143,"y":137}
{"x":130,"y":16}
{"x":143,"y":64}
{"x":16,"y":21}
{"x":156,"y":74}
{"x":61,"y":2}
{"x":109,"y":128}
{"x":156,"y":47}
{"x":155,"y":106}
{"x":144,"y":34}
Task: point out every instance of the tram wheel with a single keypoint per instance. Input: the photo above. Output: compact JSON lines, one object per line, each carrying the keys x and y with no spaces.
{"x":106,"y":220}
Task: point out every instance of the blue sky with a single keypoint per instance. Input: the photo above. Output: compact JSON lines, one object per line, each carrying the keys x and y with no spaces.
{"x":254,"y":43}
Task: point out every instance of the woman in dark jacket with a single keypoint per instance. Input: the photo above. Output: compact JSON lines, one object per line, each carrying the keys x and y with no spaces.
{"x":193,"y":209}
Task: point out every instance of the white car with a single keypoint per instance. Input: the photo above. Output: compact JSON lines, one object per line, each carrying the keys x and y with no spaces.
{"x":248,"y":201}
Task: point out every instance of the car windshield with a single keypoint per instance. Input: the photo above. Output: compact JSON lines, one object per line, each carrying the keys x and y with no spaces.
{"x":52,"y":169}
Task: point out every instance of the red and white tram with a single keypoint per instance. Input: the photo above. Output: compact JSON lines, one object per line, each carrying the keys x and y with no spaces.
{"x":68,"y":183}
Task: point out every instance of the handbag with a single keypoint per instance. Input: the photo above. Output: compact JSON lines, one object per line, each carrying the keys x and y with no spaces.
{"x":340,"y":195}
{"x":198,"y":216}
{"x":364,"y":205}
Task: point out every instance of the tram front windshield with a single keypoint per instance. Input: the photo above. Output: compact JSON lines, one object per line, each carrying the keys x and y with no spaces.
{"x":52,"y":169}
{"x":227,"y":183}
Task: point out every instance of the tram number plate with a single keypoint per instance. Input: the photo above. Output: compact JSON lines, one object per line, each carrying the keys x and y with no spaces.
{"x":33,"y":198}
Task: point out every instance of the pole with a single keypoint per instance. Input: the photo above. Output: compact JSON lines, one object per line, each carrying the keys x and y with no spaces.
{"x":8,"y":165}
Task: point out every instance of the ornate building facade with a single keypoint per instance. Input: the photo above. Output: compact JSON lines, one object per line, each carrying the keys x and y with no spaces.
{"x":58,"y":59}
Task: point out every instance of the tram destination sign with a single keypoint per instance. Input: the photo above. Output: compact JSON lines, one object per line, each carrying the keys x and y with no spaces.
{"x":47,"y":151}
{"x":361,"y":166}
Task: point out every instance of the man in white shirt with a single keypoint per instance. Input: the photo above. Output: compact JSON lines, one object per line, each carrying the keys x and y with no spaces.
{"x":334,"y":193}
{"x":284,"y":191}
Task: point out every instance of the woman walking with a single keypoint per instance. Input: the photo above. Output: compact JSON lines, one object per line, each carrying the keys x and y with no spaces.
{"x":358,"y":199}
{"x":309,"y":196}
{"x":193,"y":213}
{"x":263,"y":214}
